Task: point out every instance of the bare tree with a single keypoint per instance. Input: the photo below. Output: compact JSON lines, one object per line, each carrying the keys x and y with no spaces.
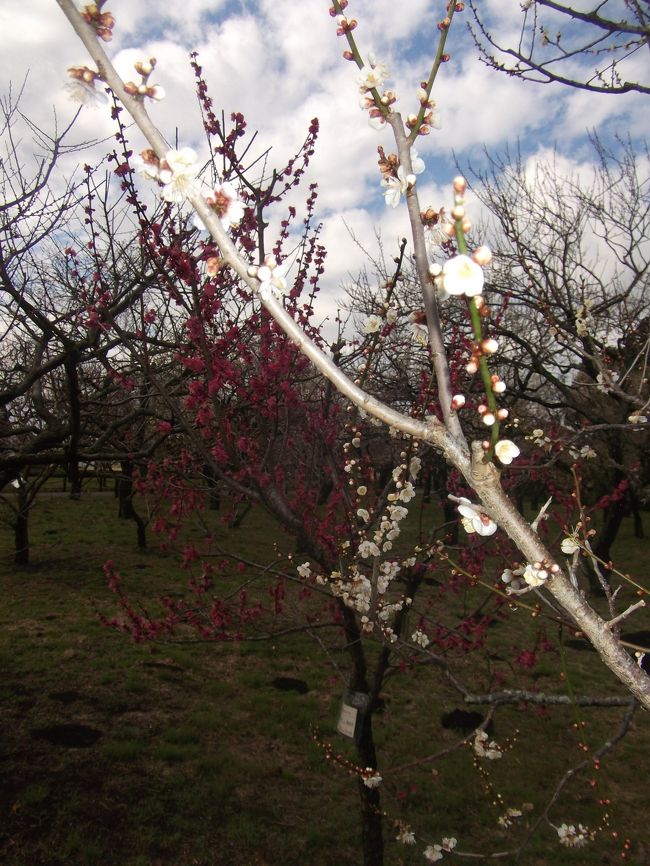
{"x":602,"y":49}
{"x":572,"y":272}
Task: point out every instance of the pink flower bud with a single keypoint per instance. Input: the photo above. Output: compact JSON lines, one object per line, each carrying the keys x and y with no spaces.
{"x":457,"y":401}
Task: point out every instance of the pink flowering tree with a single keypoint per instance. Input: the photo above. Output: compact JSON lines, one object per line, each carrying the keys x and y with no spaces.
{"x":256,"y":399}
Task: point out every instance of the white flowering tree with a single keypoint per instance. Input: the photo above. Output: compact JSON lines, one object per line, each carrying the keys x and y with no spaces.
{"x":356,"y":567}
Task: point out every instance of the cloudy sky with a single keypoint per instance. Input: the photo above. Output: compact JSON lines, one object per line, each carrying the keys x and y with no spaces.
{"x":280,"y":64}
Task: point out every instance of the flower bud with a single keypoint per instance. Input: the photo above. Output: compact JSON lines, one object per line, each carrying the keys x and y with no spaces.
{"x":460,"y":185}
{"x":482,"y":256}
{"x":489,"y":346}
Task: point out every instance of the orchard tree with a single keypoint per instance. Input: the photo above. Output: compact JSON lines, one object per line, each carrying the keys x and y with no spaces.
{"x":62,"y":388}
{"x":572,"y":274}
{"x":254,"y":412}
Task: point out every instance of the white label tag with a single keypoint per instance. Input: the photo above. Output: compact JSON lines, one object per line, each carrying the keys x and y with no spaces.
{"x":347,"y":721}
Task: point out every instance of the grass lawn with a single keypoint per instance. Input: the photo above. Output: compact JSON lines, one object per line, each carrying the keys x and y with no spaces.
{"x":123,"y":754}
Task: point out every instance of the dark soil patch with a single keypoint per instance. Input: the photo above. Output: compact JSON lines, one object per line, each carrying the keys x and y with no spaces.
{"x":72,"y":736}
{"x":463,"y":720}
{"x":290,"y":684}
{"x":65,"y":698}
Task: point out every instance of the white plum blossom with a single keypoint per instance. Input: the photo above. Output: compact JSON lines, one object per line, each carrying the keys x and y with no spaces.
{"x":573,"y":836}
{"x":604,"y":382}
{"x":484,"y":749}
{"x":178,"y":173}
{"x":569,"y":545}
{"x":538,"y":438}
{"x":420,"y":638}
{"x":506,"y":451}
{"x":397,"y":186}
{"x":462,"y":276}
{"x":475,"y":520}
{"x":372,"y":75}
{"x":397,"y":512}
{"x":434,"y":853}
{"x":419,"y":332}
{"x":225,"y":202}
{"x":407,"y":492}
{"x":391,"y":315}
{"x":637,"y":418}
{"x":417,"y":163}
{"x":372,"y":324}
{"x":406,"y":836}
{"x":415,"y":465}
{"x":513,"y":580}
{"x":272,"y":278}
{"x":535,"y":575}
{"x":368,"y":548}
{"x":304,"y":570}
{"x":506,"y":819}
{"x":363,"y":514}
{"x":371,"y":778}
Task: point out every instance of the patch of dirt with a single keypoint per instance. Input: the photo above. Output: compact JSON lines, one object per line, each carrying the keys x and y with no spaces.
{"x":71,"y":736}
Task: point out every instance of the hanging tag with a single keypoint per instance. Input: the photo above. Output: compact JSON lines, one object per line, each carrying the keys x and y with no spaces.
{"x":353,"y":708}
{"x":347,"y":723}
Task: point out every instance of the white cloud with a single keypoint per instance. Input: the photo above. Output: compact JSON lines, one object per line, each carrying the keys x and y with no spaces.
{"x":282,"y":67}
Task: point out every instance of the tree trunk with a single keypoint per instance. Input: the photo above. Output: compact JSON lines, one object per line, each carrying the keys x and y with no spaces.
{"x":614,"y":515}
{"x":21,"y":530}
{"x":126,"y":509}
{"x":636,"y":515}
{"x":372,"y":830}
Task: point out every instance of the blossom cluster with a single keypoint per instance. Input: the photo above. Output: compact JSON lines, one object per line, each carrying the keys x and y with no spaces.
{"x":371,"y":79}
{"x":144,"y":68}
{"x":434,"y":853}
{"x":364,"y":581}
{"x":574,"y":835}
{"x":484,"y":749}
{"x":527,"y":577}
{"x":395,"y":179}
{"x":101,"y":22}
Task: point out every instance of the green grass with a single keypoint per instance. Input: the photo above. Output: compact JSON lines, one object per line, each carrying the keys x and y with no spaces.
{"x":202,"y":761}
